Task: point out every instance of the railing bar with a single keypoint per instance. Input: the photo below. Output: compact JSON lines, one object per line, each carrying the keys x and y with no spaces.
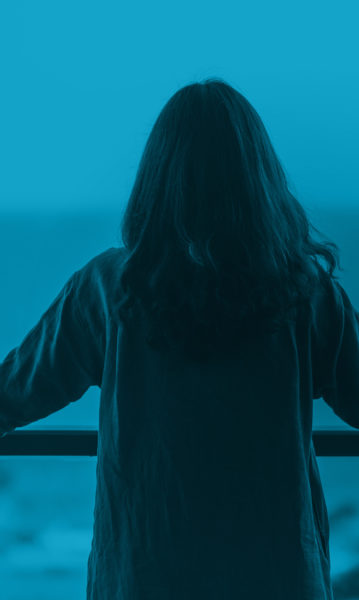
{"x":79,"y":442}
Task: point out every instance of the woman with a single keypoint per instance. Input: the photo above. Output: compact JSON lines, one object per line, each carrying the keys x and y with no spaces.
{"x":210,"y":332}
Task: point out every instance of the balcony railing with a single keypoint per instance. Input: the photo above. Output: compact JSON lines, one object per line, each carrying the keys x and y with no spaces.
{"x":83,"y":442}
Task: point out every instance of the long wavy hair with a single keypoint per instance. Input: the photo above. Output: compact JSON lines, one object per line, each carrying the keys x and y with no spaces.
{"x":218,"y":248}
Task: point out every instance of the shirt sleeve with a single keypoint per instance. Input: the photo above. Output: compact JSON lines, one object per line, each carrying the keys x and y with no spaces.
{"x":337,"y":351}
{"x":53,"y":366}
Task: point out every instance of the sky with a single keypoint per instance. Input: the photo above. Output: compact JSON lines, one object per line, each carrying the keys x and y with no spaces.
{"x":83,"y":82}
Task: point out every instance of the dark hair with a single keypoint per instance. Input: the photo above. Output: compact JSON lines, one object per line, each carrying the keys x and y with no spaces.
{"x":218,"y":247}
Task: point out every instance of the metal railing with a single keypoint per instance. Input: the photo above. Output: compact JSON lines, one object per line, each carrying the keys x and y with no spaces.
{"x":83,"y":442}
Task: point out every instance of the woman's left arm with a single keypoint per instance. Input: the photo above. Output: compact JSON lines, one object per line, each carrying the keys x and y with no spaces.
{"x":54,"y":365}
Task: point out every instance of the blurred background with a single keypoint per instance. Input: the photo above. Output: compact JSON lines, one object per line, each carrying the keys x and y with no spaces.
{"x":82,"y":84}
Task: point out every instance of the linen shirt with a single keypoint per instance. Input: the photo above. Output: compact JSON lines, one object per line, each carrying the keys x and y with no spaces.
{"x":207,"y":483}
